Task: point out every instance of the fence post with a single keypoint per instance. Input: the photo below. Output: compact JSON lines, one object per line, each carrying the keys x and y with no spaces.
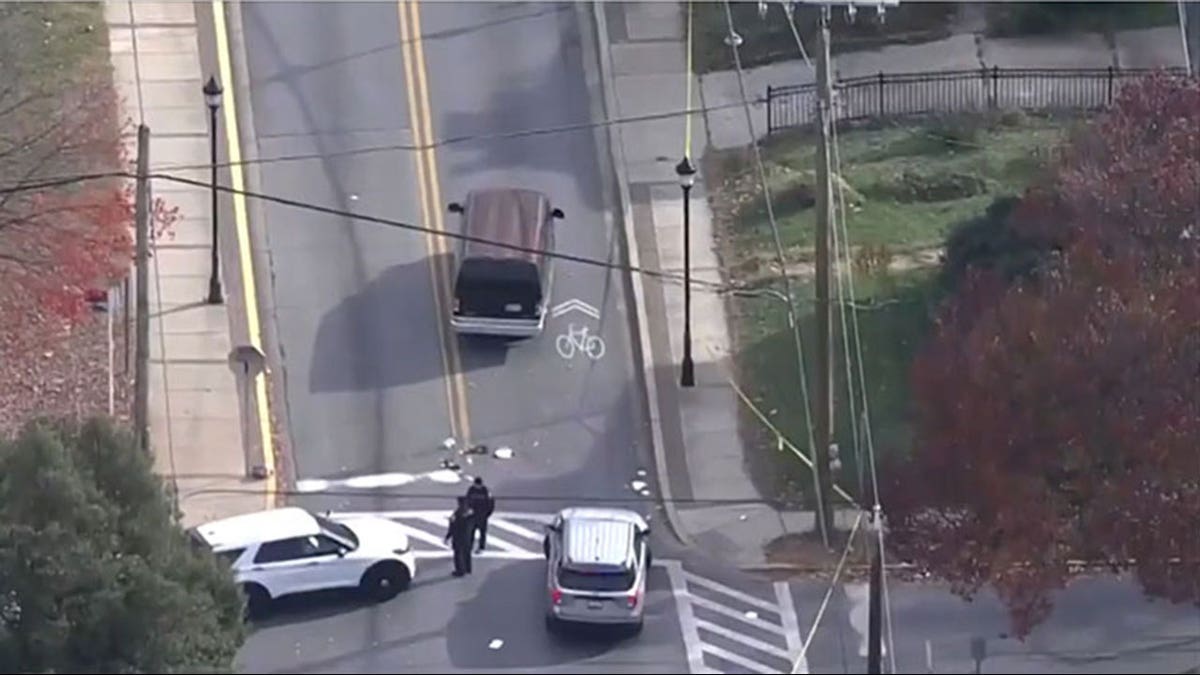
{"x":769,"y":128}
{"x":1111,"y":75}
{"x":995,"y":87}
{"x":881,"y":100}
{"x":983,"y":82}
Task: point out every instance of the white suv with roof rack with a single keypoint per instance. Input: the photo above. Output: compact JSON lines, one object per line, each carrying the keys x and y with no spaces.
{"x":598,"y":560}
{"x":291,"y":550}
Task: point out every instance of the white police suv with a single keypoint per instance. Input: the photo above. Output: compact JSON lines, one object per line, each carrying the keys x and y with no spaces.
{"x":290,"y":550}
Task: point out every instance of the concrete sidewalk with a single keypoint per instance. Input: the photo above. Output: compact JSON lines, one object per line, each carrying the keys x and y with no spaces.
{"x":644,"y":54}
{"x":195,"y":414}
{"x":1132,"y":49}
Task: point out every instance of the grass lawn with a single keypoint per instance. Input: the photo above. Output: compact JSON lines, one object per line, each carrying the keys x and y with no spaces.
{"x":1012,"y":19}
{"x":54,"y":59}
{"x":910,"y":185}
{"x":905,"y":186}
{"x":766,"y":41}
{"x":891,"y":332}
{"x":56,"y":42}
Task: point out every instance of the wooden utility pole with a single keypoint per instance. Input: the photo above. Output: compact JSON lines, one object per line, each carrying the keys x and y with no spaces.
{"x":823,"y":426}
{"x":141,"y":395}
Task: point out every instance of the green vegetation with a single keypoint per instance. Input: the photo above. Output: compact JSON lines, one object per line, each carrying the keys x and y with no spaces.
{"x":58,"y":106}
{"x":1011,"y":19}
{"x":770,"y":40}
{"x":53,"y":44}
{"x":892,"y":327}
{"x":96,"y":575}
{"x":907,"y":188}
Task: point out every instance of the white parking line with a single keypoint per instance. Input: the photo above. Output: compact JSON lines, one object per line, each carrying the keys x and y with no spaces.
{"x":722,"y":609}
{"x":738,"y":659}
{"x":422,"y":535}
{"x":732,"y":592}
{"x":687,"y":618}
{"x":498,"y":555}
{"x":505,"y":546}
{"x":744,"y":639}
{"x":504,"y":524}
{"x":791,"y":625}
{"x":444,"y":514}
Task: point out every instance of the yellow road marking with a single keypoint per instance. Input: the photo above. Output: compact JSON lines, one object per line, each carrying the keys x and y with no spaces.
{"x":238,"y":179}
{"x":421,"y":119}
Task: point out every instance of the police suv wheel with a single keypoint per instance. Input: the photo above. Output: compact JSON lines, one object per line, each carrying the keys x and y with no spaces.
{"x":385,"y":580}
{"x":258,"y":601}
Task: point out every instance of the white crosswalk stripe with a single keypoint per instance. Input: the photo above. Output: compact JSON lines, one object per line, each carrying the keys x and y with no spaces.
{"x":752,"y":629}
{"x":511,"y":536}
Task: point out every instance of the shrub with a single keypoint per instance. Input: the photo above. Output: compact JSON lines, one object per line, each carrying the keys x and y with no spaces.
{"x":911,"y":186}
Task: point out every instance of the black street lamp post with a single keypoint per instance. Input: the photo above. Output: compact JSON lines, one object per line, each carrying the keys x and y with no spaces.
{"x":687,"y":177}
{"x":212,"y":97}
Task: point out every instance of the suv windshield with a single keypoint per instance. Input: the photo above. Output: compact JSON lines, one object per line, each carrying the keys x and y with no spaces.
{"x":338,"y":530}
{"x":615,"y":581}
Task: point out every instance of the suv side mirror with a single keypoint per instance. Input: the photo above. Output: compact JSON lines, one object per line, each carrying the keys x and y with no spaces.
{"x":455,"y":207}
{"x":557,"y":213}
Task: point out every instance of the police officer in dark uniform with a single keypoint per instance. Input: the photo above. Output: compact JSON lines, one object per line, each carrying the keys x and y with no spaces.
{"x":482,"y":504}
{"x":459,"y":535}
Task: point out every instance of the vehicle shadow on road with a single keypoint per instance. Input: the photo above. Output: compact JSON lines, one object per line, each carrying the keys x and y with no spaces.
{"x":502,"y":626}
{"x":317,"y":605}
{"x":385,"y":335}
{"x":304,"y":607}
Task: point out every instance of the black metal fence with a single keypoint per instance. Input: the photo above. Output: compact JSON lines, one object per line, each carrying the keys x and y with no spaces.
{"x":954,"y":91}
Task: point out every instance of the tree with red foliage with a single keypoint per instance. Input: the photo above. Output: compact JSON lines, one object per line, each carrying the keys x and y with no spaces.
{"x":1058,"y":418}
{"x":59,"y":242}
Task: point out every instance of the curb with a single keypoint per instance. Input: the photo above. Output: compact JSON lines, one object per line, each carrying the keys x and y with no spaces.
{"x":624,"y":211}
{"x":263,"y":271}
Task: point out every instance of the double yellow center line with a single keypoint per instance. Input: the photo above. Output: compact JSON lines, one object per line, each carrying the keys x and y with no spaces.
{"x":432,"y":211}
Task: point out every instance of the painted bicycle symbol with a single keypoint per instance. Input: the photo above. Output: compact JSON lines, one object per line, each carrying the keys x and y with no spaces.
{"x":577,"y":339}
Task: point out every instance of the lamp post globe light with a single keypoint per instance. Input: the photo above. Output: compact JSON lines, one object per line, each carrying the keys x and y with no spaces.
{"x":687,"y":178}
{"x":212,"y":98}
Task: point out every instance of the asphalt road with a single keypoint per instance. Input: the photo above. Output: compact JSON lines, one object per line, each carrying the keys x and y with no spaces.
{"x":574,"y":425}
{"x":354,"y":301}
{"x":364,"y":360}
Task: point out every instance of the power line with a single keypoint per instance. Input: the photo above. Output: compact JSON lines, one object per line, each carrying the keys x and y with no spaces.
{"x":328,"y":210}
{"x":841,"y":228}
{"x":800,"y":664}
{"x":818,"y":455}
{"x":686,"y":113}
